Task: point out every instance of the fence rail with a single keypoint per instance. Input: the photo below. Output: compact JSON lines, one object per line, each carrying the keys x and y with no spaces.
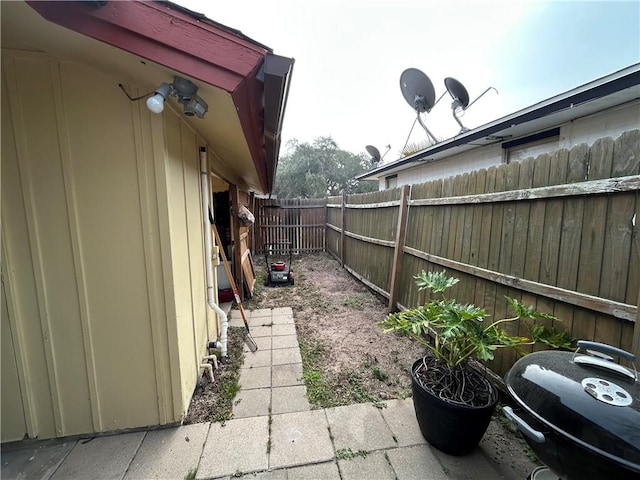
{"x":558,"y":232}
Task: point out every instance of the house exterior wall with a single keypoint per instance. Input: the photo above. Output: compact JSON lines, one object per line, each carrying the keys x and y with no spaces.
{"x":104,"y":302}
{"x":609,"y":123}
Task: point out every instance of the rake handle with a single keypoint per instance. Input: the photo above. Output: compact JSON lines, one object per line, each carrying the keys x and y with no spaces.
{"x":229,"y":275}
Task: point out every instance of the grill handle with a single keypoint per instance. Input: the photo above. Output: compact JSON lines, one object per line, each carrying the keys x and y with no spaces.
{"x":606,"y":349}
{"x":523,"y":426}
{"x":605,"y":361}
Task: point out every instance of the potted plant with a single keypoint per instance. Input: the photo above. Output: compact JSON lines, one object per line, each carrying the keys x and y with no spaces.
{"x":454,"y":401}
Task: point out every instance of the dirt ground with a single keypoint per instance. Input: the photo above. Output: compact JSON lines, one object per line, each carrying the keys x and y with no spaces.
{"x":336,"y":316}
{"x":338,"y":313}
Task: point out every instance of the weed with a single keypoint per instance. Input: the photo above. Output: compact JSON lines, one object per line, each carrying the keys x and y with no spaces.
{"x":191,"y":474}
{"x":354,"y":301}
{"x":379,"y":373}
{"x":348,"y":454}
{"x":237,"y":474}
{"x":270,"y":424}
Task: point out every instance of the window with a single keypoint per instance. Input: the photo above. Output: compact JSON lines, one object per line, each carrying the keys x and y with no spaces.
{"x":531,"y":145}
{"x":391,"y":181}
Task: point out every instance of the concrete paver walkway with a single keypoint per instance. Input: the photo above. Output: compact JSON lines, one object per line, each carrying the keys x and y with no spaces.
{"x":274,"y":434}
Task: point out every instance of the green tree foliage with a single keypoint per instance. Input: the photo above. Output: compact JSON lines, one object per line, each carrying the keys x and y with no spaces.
{"x":319,"y":169}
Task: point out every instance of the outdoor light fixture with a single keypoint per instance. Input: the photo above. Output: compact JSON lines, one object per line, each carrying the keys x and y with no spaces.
{"x":181,"y":88}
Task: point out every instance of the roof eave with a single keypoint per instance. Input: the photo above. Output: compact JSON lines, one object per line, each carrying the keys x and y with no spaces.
{"x":615,"y":82}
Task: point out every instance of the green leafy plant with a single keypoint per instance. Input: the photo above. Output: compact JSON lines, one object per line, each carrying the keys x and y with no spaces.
{"x":454,"y":333}
{"x":460,"y":331}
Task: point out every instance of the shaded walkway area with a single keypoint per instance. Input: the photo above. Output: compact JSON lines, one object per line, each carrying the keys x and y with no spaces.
{"x":274,"y":434}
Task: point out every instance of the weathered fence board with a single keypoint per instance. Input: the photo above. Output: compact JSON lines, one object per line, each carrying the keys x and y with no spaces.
{"x":558,"y":232}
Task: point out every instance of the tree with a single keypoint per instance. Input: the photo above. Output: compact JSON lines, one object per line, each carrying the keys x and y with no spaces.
{"x":320,"y":169}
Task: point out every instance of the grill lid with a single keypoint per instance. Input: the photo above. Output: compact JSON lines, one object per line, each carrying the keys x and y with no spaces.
{"x":579,"y":397}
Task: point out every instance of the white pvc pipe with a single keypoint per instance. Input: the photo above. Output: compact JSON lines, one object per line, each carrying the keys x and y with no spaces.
{"x":204,"y":181}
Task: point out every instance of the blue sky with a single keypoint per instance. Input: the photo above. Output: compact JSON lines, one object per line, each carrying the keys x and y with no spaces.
{"x":350,"y":55}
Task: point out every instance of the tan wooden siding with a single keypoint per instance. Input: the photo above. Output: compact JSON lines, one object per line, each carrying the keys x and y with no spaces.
{"x":103,"y":256}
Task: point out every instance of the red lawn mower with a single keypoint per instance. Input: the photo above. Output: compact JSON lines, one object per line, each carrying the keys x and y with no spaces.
{"x":278,"y":271}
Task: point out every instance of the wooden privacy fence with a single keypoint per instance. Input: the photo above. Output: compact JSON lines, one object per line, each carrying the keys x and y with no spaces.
{"x":559,"y":232}
{"x":298,"y":221}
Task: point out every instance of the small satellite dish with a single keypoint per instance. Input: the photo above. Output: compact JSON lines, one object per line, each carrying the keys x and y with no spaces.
{"x":419,"y":93}
{"x":460,"y":99}
{"x":457,"y":91}
{"x":374,"y":152}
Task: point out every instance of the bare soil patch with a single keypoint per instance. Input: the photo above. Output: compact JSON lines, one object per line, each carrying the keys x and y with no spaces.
{"x":336,"y":317}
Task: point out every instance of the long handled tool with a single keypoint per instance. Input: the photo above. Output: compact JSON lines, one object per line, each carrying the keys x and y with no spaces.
{"x":253,"y":346}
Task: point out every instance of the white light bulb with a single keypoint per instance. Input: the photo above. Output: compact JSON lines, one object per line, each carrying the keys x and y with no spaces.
{"x":156,"y":103}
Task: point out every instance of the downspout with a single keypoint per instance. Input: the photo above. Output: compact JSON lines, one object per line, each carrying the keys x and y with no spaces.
{"x":204,"y":180}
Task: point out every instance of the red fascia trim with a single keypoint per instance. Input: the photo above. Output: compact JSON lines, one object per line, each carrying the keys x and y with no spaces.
{"x":162,"y":35}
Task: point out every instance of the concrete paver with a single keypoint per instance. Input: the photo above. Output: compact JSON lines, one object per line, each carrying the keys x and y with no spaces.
{"x":324,"y":471}
{"x":416,"y":463}
{"x":300,"y":438}
{"x":238,"y":446}
{"x":469,"y":467}
{"x":284,"y":341}
{"x":282,"y":318}
{"x":401,"y":419}
{"x":261,"y":358}
{"x":34,"y":461}
{"x":252,"y":403}
{"x":289,"y":399}
{"x":283,"y":311}
{"x":260,"y":330}
{"x":257,"y":377}
{"x":359,"y":427}
{"x":283,"y":329}
{"x":268,"y":475}
{"x":287,"y":375}
{"x":284,"y":356}
{"x":260,"y":313}
{"x":100,"y":458}
{"x":263,"y":343}
{"x":372,"y":466}
{"x":169,"y":453}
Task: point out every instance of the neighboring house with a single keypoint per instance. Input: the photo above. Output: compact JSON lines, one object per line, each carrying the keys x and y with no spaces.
{"x":105,"y":316}
{"x":605,"y":107}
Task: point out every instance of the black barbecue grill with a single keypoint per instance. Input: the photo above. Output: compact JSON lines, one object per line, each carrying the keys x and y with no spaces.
{"x":579,"y":412}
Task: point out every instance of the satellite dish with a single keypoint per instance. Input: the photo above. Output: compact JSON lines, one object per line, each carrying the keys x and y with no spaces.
{"x":419,"y":93}
{"x":457,"y":91}
{"x":374,"y":152}
{"x":417,"y":90}
{"x":460,"y":99}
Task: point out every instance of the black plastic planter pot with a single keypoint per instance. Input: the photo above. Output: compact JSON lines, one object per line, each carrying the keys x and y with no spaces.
{"x":452,"y":428}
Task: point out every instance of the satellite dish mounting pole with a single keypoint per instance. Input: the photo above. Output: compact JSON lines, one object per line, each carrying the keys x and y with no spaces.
{"x":429,"y":134}
{"x":490,"y":88}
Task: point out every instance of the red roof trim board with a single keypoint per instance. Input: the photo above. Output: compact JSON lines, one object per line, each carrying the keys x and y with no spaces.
{"x":186,"y":44}
{"x":163,"y":35}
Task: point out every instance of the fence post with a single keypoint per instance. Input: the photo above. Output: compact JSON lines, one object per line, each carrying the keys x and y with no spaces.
{"x":635,"y":346}
{"x":396,"y":270}
{"x":342,"y":226}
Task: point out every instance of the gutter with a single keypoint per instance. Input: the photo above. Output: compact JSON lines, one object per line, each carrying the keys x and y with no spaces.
{"x":276,"y":75}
